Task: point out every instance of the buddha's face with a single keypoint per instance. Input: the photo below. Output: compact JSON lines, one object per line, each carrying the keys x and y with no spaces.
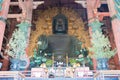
{"x":60,"y":25}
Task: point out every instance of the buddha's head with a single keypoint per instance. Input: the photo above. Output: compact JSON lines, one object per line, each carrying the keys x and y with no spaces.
{"x":60,"y":24}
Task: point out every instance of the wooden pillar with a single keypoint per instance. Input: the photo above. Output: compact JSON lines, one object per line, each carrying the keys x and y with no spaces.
{"x":115,"y":26}
{"x":3,"y":14}
{"x":90,"y":8}
{"x":29,"y":8}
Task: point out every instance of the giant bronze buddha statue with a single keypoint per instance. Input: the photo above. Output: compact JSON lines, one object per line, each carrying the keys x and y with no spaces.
{"x":60,"y":43}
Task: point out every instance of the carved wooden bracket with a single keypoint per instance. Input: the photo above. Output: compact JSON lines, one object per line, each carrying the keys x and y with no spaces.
{"x":23,"y":5}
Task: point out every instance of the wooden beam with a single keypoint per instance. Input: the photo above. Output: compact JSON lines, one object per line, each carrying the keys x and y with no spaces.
{"x":35,"y":3}
{"x":102,"y":1}
{"x":104,"y":13}
{"x":83,"y":2}
{"x":14,"y":15}
{"x":101,"y":15}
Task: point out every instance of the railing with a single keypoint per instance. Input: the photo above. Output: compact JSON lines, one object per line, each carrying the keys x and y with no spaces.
{"x":59,"y":72}
{"x":102,"y":74}
{"x":11,"y":75}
